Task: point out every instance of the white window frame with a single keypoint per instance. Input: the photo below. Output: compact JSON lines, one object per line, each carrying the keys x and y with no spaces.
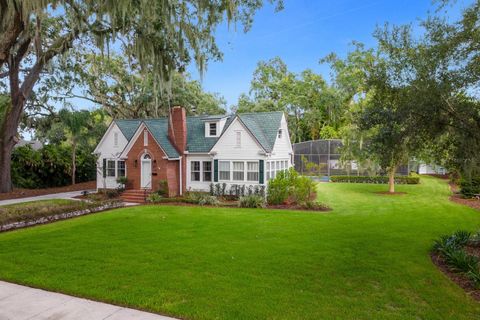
{"x":242,"y":172}
{"x":206,"y":171}
{"x":193,"y":171}
{"x":109,"y":162}
{"x":124,"y":168}
{"x":227,"y":171}
{"x":268,"y":170}
{"x":253,"y":172}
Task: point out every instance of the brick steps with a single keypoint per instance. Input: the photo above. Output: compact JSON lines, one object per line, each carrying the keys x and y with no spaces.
{"x":136,"y":196}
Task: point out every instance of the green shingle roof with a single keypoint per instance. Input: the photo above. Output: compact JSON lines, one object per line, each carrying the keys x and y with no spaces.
{"x":263,"y":125}
{"x":128,"y":127}
{"x":159,"y":130}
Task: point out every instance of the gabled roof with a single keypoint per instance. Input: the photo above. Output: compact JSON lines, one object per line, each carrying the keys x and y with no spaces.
{"x":262,"y":125}
{"x":196,"y":139}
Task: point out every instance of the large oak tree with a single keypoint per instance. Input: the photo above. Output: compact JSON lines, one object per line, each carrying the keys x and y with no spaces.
{"x":160,"y":35}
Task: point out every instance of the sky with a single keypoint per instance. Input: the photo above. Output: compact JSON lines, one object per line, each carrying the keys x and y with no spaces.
{"x":301,"y":34}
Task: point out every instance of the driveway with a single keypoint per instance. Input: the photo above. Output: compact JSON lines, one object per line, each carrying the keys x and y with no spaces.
{"x":61,"y":195}
{"x":21,"y":303}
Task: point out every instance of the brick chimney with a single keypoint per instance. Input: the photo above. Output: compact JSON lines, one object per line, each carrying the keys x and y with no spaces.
{"x":177,"y":128}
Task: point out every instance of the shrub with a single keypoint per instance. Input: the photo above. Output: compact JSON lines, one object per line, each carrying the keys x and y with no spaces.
{"x":289,"y":185}
{"x":251,"y":201}
{"x":452,"y":242}
{"x":470,"y":188}
{"x":278,"y":188}
{"x":314,"y":206}
{"x":163,"y":188}
{"x":459,"y":260}
{"x":376,"y":179}
{"x":202,"y":199}
{"x":154,"y":197}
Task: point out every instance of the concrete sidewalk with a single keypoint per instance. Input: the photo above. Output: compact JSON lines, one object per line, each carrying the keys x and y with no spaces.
{"x":22,"y":303}
{"x":61,"y":195}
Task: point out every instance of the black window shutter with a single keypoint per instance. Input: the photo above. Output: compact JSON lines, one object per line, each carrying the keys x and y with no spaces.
{"x":260,"y":172}
{"x":104,"y":168}
{"x":215,"y":170}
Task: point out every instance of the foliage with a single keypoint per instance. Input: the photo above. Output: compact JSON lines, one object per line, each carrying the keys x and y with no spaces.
{"x":251,"y":201}
{"x":118,"y":86}
{"x":452,"y":250}
{"x":289,"y":185}
{"x":236,"y":190}
{"x":314,"y":109}
{"x":50,"y":166}
{"x":163,"y":188}
{"x":154,"y":197}
{"x":470,"y":188}
{"x":376,"y":179}
{"x":202,"y":198}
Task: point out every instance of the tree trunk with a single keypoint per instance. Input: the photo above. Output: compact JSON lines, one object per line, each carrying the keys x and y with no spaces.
{"x":8,"y":139}
{"x":391,"y":181}
{"x":74,"y":166}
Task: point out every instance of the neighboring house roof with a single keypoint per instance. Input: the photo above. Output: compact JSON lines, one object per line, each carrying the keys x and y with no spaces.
{"x":263,"y":126}
{"x":34,"y":144}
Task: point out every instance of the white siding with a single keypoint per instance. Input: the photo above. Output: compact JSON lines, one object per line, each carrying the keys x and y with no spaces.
{"x":107,"y":149}
{"x":226,"y":146}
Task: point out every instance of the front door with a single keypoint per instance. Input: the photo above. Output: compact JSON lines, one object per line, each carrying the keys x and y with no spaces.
{"x":146,"y":174}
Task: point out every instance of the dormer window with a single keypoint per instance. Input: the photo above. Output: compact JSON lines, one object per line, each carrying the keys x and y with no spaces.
{"x":213,"y":129}
{"x":280,"y":132}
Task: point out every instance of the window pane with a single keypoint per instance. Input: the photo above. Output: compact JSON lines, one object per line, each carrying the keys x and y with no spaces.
{"x":213,"y":129}
{"x":195,"y":170}
{"x":110,"y":168}
{"x":207,"y":171}
{"x":238,"y":166}
{"x":120,"y":168}
{"x":224,"y":170}
{"x":238,"y":173}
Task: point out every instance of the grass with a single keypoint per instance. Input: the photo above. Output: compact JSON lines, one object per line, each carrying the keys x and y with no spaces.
{"x":366,"y":259}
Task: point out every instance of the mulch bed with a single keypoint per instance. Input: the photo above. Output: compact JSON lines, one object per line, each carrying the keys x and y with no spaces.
{"x":233,"y":204}
{"x":24,"y":193}
{"x":459,"y":278}
{"x":455,"y":197}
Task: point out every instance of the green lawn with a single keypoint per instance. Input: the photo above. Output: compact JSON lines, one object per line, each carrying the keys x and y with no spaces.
{"x":366,"y":259}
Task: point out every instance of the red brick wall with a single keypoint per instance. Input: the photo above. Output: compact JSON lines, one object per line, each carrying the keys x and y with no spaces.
{"x":162,"y":169}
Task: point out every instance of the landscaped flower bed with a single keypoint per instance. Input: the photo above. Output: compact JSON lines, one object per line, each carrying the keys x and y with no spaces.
{"x":458,"y":255}
{"x":38,"y":212}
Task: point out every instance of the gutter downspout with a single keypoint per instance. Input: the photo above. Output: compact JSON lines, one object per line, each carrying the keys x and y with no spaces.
{"x":181,"y":176}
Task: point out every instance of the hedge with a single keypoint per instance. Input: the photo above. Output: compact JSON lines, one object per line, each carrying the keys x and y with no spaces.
{"x":375,"y":179}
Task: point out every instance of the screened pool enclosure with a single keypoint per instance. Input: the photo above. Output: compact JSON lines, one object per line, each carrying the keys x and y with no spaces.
{"x":322,"y":158}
